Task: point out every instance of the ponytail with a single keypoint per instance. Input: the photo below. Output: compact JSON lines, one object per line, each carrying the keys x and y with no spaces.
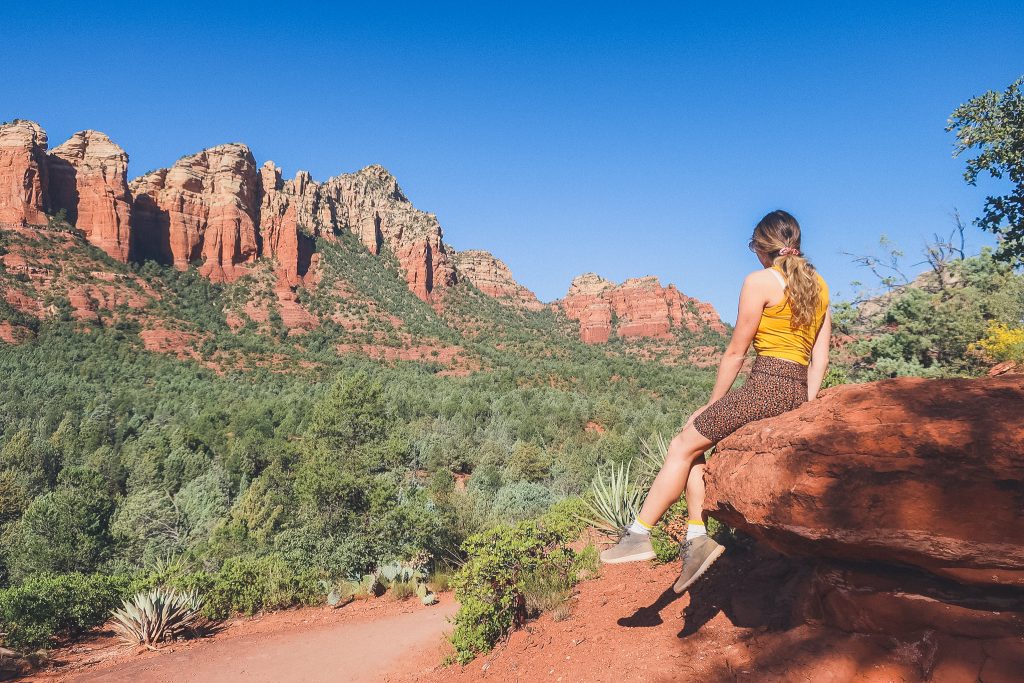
{"x":801,"y":287}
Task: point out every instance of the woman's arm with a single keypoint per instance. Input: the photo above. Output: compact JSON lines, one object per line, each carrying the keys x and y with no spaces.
{"x":819,"y":357}
{"x":753,"y":297}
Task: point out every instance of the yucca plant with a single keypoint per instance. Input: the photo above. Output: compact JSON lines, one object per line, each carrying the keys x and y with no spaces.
{"x":653,"y":457}
{"x":615,"y":499}
{"x":157,"y":615}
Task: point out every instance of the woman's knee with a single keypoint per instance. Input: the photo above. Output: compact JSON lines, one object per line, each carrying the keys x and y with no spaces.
{"x":686,"y":446}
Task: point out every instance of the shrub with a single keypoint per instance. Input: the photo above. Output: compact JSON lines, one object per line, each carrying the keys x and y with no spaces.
{"x":519,"y":501}
{"x":440,"y":580}
{"x":250,"y":585}
{"x":66,"y":530}
{"x":491,"y":586}
{"x":547,"y":586}
{"x":157,"y":615}
{"x":1002,"y":342}
{"x":46,"y":606}
{"x":615,"y":499}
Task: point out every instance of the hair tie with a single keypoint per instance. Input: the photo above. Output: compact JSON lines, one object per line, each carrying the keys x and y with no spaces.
{"x":786,"y":251}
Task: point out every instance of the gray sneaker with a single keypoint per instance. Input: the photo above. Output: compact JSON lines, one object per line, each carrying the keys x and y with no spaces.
{"x":698,"y":554}
{"x":630,"y":548}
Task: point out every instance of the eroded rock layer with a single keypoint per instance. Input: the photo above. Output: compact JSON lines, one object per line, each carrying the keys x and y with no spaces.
{"x":217,"y":209}
{"x":88,"y":178}
{"x":639,"y":307}
{"x":203,"y":208}
{"x":23,"y":173}
{"x":492,"y":277}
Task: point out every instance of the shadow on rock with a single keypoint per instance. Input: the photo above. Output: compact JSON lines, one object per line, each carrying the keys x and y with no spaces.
{"x":755,"y":588}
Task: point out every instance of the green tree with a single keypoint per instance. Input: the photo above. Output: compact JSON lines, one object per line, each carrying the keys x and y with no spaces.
{"x":65,"y":530}
{"x":993,"y":123}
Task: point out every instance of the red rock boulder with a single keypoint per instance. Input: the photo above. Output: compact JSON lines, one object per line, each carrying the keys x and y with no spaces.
{"x":913,"y":472}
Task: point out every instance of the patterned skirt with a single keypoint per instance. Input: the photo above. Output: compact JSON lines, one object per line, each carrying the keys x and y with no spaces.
{"x":773,"y":387}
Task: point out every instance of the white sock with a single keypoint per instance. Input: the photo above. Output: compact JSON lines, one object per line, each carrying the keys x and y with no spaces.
{"x":638,"y":527}
{"x":695,"y":529}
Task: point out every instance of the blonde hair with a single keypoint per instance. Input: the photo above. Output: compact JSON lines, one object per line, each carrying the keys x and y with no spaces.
{"x":779,"y":232}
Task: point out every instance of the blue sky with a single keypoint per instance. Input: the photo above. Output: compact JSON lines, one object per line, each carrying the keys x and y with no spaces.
{"x":625,"y":139}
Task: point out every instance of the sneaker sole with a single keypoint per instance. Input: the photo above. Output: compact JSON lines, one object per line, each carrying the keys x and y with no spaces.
{"x":638,"y":557}
{"x":715,"y":554}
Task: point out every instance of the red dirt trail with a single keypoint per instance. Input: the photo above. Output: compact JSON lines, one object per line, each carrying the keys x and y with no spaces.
{"x":365,"y":641}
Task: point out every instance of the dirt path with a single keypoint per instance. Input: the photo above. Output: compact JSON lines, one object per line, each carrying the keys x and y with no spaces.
{"x":370,"y":643}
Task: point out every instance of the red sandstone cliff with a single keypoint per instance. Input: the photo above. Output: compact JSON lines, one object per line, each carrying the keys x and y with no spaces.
{"x":23,"y":173}
{"x":202,"y":208}
{"x":217,"y":209}
{"x":492,"y":277}
{"x":88,"y":179}
{"x":214,"y":208}
{"x":639,"y":307}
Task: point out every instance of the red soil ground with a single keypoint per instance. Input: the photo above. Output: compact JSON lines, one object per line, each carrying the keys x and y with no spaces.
{"x":626,"y":625}
{"x":735,"y":626}
{"x":367,"y":640}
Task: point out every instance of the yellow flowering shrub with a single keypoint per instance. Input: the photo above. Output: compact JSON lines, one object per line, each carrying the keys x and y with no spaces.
{"x":1002,"y":342}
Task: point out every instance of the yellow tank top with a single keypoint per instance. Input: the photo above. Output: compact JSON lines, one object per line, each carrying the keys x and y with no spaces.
{"x":775,"y":337}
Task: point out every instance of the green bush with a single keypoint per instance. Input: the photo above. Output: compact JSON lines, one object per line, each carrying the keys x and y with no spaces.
{"x":502,"y":564}
{"x":253,"y":584}
{"x":521,"y":500}
{"x":46,"y":606}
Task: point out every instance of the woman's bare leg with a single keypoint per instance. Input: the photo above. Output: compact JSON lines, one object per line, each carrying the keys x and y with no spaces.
{"x":676,"y":474}
{"x":695,"y":490}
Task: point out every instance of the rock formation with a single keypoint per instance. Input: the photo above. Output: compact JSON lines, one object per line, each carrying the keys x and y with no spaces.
{"x":280,"y":205}
{"x":492,"y":277}
{"x":23,"y":173}
{"x":906,"y":492}
{"x":586,"y":303}
{"x":216,"y":209}
{"x":202,"y":208}
{"x":88,"y":179}
{"x":372,"y":205}
{"x":369,"y":204}
{"x":639,"y":307}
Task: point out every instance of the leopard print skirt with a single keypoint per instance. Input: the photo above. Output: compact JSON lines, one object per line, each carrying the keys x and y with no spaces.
{"x":773,"y":387}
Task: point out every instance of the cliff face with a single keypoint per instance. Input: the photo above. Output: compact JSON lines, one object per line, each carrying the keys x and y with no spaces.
{"x":88,"y":179}
{"x":23,"y":173}
{"x":214,"y":208}
{"x":639,"y":307}
{"x":202,"y":208}
{"x":220,"y":210}
{"x":492,"y":277}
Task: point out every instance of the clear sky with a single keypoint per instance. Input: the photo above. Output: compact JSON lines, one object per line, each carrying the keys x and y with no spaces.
{"x":622,"y":138}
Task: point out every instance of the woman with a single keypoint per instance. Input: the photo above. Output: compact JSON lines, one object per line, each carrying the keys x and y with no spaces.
{"x":784,"y":312}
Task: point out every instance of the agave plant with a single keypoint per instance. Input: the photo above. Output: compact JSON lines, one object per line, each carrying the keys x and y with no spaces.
{"x":154,"y":616}
{"x":615,"y":500}
{"x":652,"y":457}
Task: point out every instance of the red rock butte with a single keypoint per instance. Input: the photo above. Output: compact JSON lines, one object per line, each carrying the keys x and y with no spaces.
{"x":639,"y":307}
{"x":221,"y":211}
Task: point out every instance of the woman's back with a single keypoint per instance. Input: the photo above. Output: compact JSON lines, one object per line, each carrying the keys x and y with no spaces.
{"x":775,"y":335}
